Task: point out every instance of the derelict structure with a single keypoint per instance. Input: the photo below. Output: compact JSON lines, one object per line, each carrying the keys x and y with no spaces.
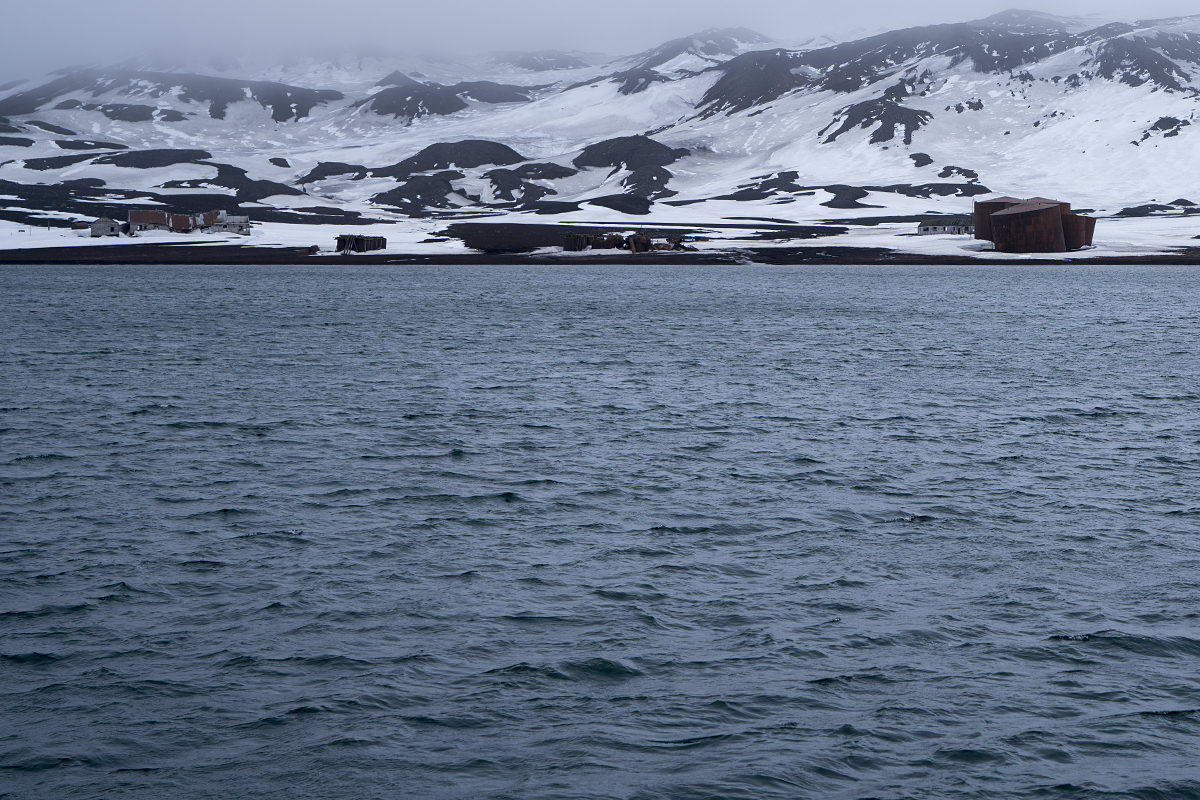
{"x":1034,"y":225}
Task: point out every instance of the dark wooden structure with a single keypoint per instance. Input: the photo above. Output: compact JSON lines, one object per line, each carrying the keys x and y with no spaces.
{"x":360,"y":244}
{"x":1036,"y":225}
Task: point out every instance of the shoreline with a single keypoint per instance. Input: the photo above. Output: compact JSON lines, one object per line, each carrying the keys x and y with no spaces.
{"x":218,"y":255}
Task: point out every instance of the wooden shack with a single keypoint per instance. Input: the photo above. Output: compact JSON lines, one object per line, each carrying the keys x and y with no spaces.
{"x":360,"y":244}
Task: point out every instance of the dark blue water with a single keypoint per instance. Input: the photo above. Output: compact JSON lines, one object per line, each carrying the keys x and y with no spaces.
{"x":554,"y":533}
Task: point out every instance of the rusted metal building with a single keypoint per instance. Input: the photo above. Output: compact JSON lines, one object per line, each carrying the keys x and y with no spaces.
{"x":983,"y":215}
{"x":1029,"y":228}
{"x":1035,"y":225}
{"x":209,"y":221}
{"x":147,"y":220}
{"x":360,"y":244}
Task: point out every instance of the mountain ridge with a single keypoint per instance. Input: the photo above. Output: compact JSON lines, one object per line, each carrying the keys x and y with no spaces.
{"x":917,"y":120}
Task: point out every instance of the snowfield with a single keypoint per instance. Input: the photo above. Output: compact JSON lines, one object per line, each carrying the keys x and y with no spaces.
{"x":724,"y":127}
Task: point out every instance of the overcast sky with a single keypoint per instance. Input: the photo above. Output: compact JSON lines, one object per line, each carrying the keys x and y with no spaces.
{"x":44,"y":34}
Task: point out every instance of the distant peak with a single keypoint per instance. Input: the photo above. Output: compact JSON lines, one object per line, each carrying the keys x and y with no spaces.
{"x":1034,"y":20}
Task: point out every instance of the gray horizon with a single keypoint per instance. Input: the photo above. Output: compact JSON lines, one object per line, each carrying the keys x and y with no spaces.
{"x":37,"y":39}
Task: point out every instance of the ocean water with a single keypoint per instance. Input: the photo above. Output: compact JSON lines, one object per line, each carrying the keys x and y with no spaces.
{"x":622,"y":532}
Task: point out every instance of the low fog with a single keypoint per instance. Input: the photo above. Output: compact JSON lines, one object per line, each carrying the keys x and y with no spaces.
{"x":35,"y":38}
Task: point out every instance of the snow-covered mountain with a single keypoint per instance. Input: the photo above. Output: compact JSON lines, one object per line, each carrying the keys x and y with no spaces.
{"x":723,"y":124}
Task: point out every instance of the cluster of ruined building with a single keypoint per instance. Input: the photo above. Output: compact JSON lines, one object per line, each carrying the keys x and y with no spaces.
{"x":152,"y":220}
{"x":637,"y":243}
{"x":1034,"y":225}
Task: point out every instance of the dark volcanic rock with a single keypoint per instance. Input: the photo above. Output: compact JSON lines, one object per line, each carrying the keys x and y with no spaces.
{"x":286,"y":102}
{"x":49,"y":128}
{"x":543,"y":171}
{"x":508,"y":183}
{"x":31,"y":100}
{"x":83,"y":183}
{"x":67,"y":105}
{"x":397,"y":78}
{"x":467,"y":154}
{"x":280,"y":162}
{"x":624,"y":203}
{"x":56,"y":162}
{"x":15,"y":141}
{"x":845,"y":197}
{"x":149,"y":159}
{"x":235,"y":178}
{"x":636,"y":81}
{"x":544,"y":61}
{"x":711,"y":44}
{"x":650,"y":182}
{"x":328,"y":169}
{"x":415,"y":100}
{"x":171,"y":115}
{"x":1137,"y":61}
{"x":87,"y":144}
{"x":124,"y":112}
{"x":631,"y":152}
{"x":783,"y":183}
{"x":1169,"y":127}
{"x":921,"y":159}
{"x":420,"y":193}
{"x":755,"y":78}
{"x":962,"y":172}
{"x":489,"y":92}
{"x":888,"y":113}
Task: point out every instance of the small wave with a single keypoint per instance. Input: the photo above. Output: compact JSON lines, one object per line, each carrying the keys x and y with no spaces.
{"x":31,"y":659}
{"x":50,"y":610}
{"x":1117,"y":642}
{"x":39,"y":457}
{"x":599,"y":669}
{"x":224,"y":513}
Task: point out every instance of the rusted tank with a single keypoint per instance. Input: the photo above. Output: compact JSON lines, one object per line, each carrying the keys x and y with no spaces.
{"x":640,"y":243}
{"x":576,"y":242}
{"x":1079,"y":231}
{"x":1064,"y":208}
{"x":983,"y":214}
{"x":1029,"y":228}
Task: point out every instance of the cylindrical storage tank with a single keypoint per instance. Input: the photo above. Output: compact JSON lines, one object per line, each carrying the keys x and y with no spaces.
{"x":1065,"y":208}
{"x":1029,"y":228}
{"x":983,"y":214}
{"x":1078,"y":231}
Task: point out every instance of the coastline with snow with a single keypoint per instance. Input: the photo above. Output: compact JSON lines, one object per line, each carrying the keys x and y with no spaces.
{"x":1119,"y":240}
